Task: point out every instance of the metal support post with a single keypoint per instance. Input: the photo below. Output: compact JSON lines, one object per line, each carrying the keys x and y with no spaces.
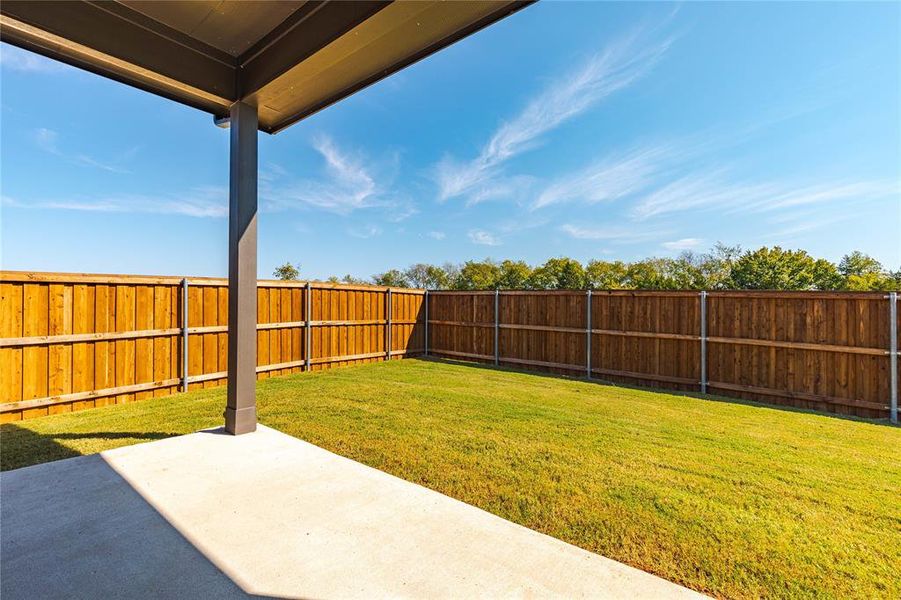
{"x":388,"y":325}
{"x":703,"y":342}
{"x":184,"y":335}
{"x":588,"y":335}
{"x":241,"y":404}
{"x":307,"y":329}
{"x":893,"y":354}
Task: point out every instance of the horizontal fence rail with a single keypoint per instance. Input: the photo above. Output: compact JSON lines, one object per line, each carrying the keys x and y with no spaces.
{"x":69,"y":342}
{"x":835,"y":352}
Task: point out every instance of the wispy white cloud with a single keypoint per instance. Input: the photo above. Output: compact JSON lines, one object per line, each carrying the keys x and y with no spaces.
{"x":619,"y":65}
{"x":365,"y":231}
{"x":48,"y":141}
{"x":271,"y":172}
{"x":713,"y":190}
{"x":499,"y":189}
{"x":437,"y":235}
{"x":17,"y":59}
{"x":798,"y":222}
{"x":204,"y":201}
{"x":624,"y":235}
{"x":349,"y":182}
{"x":791,"y":196}
{"x":609,"y":179}
{"x":400,"y":209}
{"x":348,"y":186}
{"x":520,"y":223}
{"x":87,"y":161}
{"x":676,"y":168}
{"x":683,"y":244}
{"x":483,"y":238}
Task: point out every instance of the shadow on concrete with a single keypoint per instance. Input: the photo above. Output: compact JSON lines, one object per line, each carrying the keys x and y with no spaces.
{"x":22,"y":447}
{"x":76,"y":528}
{"x":207,"y":515}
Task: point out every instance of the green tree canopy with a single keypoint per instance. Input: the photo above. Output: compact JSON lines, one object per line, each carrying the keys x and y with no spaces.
{"x":826,"y":275}
{"x":604,"y":275}
{"x":716,"y":266}
{"x":287,"y":272}
{"x":429,"y":277}
{"x":392,"y":278}
{"x":723,"y":267}
{"x":514,"y":275}
{"x":858,"y":263}
{"x":645,"y":275}
{"x":861,"y":272}
{"x":774,"y":269}
{"x":478,"y":275}
{"x":558,"y":274}
{"x":348,"y":279}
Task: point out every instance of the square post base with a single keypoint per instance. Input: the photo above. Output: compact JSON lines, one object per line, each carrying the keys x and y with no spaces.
{"x":241,"y":420}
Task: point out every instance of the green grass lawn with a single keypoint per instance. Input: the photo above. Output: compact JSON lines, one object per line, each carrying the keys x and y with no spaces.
{"x":732,"y":499}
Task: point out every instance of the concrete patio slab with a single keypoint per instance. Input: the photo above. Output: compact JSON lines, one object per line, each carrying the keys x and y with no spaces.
{"x":211,"y":515}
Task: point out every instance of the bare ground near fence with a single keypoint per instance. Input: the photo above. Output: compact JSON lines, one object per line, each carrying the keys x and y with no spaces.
{"x":71,"y":341}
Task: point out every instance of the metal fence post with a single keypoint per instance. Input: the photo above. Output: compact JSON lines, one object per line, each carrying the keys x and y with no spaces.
{"x":703,"y":342}
{"x":388,"y":325}
{"x":588,"y":335}
{"x":426,"y":344}
{"x":184,"y":334}
{"x":497,"y":354}
{"x":893,"y":354}
{"x":307,"y":329}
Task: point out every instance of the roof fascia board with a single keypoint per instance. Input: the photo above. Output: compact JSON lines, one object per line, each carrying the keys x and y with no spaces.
{"x":125,"y":35}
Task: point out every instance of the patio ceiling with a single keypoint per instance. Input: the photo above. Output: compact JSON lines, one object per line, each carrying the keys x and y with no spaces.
{"x":288,"y":58}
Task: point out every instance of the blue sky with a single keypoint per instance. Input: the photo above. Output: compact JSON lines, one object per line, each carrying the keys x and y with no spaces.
{"x":591,"y":130}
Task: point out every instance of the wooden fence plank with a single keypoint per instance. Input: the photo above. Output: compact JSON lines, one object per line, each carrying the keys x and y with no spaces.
{"x":144,"y":356}
{"x":35,"y":375}
{"x":75,"y":341}
{"x":125,"y":349}
{"x":10,"y":326}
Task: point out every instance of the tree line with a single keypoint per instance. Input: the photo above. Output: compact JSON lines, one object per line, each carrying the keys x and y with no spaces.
{"x":722,"y":268}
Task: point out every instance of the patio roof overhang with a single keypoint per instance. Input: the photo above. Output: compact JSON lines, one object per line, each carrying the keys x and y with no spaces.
{"x":288,"y":58}
{"x":264,"y":64}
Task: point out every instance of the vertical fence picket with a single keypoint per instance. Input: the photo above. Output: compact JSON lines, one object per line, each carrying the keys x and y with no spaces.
{"x":497,"y":353}
{"x":388,"y":324}
{"x":588,"y":334}
{"x":307,"y":326}
{"x":184,"y":335}
{"x":703,"y":316}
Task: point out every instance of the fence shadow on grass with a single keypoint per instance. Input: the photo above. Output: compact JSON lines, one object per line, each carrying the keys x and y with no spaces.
{"x":23,"y":447}
{"x":698,"y":395}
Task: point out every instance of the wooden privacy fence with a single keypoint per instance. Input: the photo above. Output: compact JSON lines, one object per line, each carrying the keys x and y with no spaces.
{"x":836,"y":352}
{"x":76,"y":341}
{"x":69,"y":342}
